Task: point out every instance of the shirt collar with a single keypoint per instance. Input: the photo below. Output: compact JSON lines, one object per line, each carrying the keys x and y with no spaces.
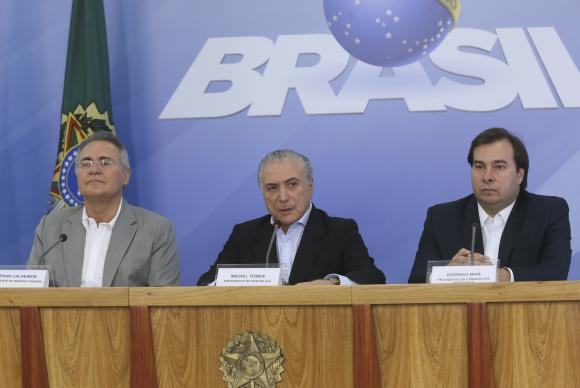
{"x":86,"y":218}
{"x":302,"y":221}
{"x":503,"y":214}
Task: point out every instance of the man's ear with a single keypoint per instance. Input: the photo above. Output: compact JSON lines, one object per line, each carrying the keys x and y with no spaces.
{"x":521,"y":172}
{"x":127,"y":177}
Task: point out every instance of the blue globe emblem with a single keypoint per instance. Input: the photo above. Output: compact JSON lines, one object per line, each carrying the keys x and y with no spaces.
{"x":69,"y":189}
{"x":390,"y":32}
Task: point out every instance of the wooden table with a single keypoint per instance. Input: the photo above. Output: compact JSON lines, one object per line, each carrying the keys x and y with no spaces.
{"x":507,"y":335}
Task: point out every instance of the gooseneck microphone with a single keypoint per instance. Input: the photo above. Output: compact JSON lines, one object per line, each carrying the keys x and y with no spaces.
{"x":473,"y":233}
{"x":62,"y":238}
{"x":276,"y":226}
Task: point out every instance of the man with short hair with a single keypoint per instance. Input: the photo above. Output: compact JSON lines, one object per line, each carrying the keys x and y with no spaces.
{"x":108,"y":241}
{"x":310,"y":246}
{"x":529,"y":234}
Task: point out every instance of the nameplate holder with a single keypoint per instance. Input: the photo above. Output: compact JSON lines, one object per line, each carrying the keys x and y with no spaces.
{"x":23,"y":277}
{"x":440,"y":272}
{"x":248,"y":275}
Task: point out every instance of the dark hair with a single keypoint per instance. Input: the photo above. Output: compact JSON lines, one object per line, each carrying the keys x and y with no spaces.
{"x":493,"y":135}
{"x":108,"y":137}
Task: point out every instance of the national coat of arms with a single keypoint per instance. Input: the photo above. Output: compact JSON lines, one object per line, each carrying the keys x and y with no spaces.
{"x":251,"y":361}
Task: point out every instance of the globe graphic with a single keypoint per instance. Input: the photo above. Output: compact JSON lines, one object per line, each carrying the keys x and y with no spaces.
{"x":390,"y":32}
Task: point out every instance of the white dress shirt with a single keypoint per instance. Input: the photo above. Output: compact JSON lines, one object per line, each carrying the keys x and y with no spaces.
{"x":96,"y":245}
{"x":492,"y":230}
{"x":287,"y":245}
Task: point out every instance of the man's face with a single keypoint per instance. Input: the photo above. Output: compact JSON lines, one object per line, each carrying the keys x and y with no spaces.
{"x":494,"y":177}
{"x":286,"y":191}
{"x":104,"y":180}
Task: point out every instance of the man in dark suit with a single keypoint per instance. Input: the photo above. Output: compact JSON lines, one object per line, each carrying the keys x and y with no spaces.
{"x":309,"y":245}
{"x":529,"y":234}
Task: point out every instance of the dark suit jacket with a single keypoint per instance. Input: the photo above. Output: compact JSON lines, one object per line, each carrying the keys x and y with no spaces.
{"x":535,"y":243}
{"x":328,"y":245}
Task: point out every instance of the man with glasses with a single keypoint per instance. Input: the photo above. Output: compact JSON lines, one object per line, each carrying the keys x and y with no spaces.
{"x":106,"y":242}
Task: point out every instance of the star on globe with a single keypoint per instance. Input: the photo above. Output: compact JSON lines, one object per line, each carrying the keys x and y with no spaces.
{"x":390,"y":32}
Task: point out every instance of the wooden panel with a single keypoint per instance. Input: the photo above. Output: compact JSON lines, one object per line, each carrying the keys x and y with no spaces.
{"x":10,"y":357}
{"x":479,"y":359}
{"x":143,"y":370}
{"x":365,"y":361}
{"x":64,"y":297}
{"x":35,"y":374}
{"x":87,"y":347}
{"x":466,"y":293}
{"x":536,"y":344}
{"x":422,"y":345}
{"x":239,"y":296}
{"x":316,"y":343}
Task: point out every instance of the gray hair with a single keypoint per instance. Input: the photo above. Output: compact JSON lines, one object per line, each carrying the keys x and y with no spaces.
{"x":108,"y":137}
{"x":280,"y":155}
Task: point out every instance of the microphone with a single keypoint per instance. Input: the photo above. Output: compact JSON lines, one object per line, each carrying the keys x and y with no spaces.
{"x":62,"y":238}
{"x":276,"y":226}
{"x":473,"y":232}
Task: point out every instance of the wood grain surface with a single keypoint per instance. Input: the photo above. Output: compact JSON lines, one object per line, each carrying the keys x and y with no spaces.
{"x":466,"y":293}
{"x":34,"y":368}
{"x":421,"y":333}
{"x":479,"y":357}
{"x":10,"y":357}
{"x":536,"y":344}
{"x":366,"y":367}
{"x":316,"y":343}
{"x":143,"y":369}
{"x":64,"y":297}
{"x":87,"y":347}
{"x":422,"y":345}
{"x":240,"y":296}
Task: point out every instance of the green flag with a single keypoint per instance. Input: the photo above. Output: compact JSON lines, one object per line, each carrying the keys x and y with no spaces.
{"x":86,"y":101}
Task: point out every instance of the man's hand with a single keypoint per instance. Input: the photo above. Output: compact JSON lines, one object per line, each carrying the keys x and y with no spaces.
{"x":463,"y":257}
{"x":319,"y":282}
{"x":503,"y":275}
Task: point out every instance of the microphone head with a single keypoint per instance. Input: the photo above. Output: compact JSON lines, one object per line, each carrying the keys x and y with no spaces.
{"x":63,"y":237}
{"x":475,"y":225}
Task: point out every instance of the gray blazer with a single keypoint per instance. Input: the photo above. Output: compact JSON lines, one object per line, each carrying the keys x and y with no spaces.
{"x":142,"y":250}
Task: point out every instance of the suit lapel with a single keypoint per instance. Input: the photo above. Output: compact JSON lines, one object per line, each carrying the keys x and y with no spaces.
{"x":262,"y":238}
{"x":121,"y":237}
{"x":74,"y":249}
{"x":470,"y":216}
{"x":510,"y":232}
{"x":309,"y":247}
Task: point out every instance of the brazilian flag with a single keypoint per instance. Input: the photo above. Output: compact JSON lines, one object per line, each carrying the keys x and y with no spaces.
{"x":86,"y":102}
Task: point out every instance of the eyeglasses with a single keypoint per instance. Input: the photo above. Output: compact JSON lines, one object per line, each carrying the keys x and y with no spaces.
{"x":85,"y":164}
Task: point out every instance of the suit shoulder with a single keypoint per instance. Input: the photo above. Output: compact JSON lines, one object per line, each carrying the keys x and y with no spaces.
{"x":546,"y":199}
{"x":457,"y":206}
{"x":251,"y":225}
{"x":333,"y":222}
{"x":545,"y":203}
{"x":59,"y":216}
{"x":146,"y":215}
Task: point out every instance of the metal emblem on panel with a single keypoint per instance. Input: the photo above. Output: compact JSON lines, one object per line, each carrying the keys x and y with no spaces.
{"x":251,"y":360}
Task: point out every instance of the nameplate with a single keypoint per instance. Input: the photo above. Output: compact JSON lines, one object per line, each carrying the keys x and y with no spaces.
{"x":235,"y":276}
{"x":463,"y":274}
{"x":23,"y":278}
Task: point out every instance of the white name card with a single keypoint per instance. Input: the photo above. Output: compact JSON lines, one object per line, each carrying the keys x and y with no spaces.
{"x":236,"y":276}
{"x":23,"y":278}
{"x":463,"y":274}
